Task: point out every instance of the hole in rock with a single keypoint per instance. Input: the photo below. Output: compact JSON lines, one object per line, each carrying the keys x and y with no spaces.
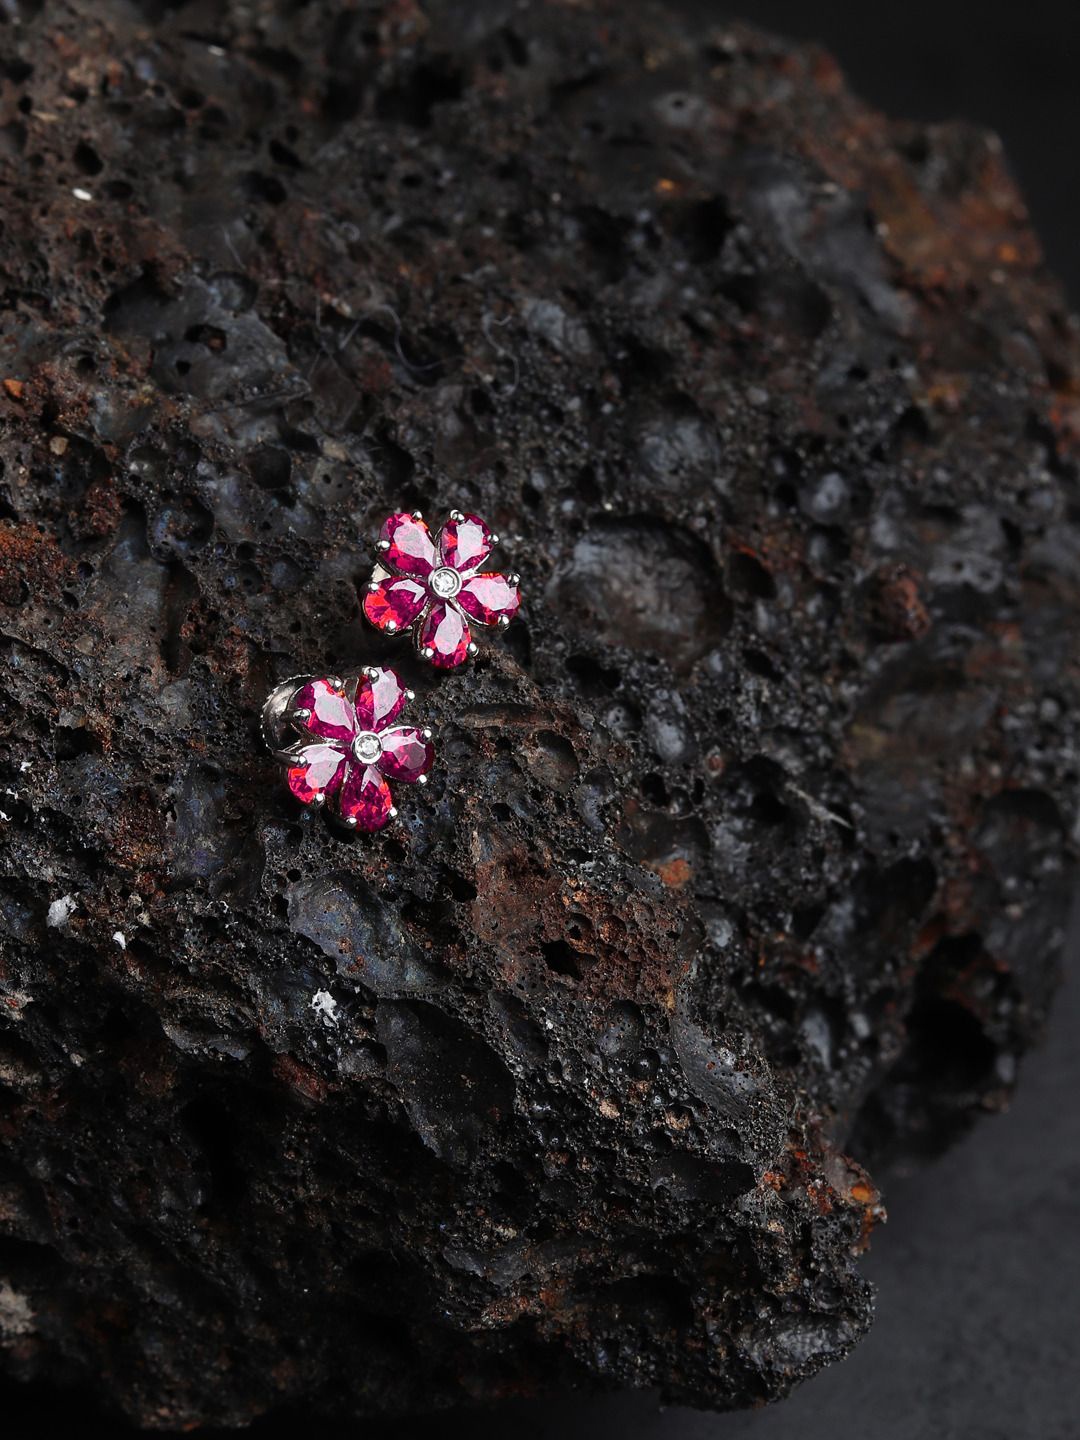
{"x":562,"y":959}
{"x":645,"y":585}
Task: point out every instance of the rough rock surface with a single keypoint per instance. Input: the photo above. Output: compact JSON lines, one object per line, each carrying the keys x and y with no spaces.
{"x":749,"y":844}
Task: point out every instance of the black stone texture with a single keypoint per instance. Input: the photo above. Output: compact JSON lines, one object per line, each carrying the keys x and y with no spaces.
{"x":750,"y":847}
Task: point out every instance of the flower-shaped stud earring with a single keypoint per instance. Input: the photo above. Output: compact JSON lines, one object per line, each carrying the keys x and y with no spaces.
{"x":349,"y":746}
{"x":436,"y":588}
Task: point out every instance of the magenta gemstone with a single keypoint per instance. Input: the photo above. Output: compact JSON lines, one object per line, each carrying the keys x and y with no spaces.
{"x":488,"y":597}
{"x":365,"y":798}
{"x":446,"y":633}
{"x":331,"y":716}
{"x":411,"y":548}
{"x":380,"y":699}
{"x":317,"y":771}
{"x":406,"y":754}
{"x":465,"y":544}
{"x":396,"y":602}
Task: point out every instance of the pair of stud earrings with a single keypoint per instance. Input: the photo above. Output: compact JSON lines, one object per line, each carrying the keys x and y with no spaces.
{"x":336,"y":735}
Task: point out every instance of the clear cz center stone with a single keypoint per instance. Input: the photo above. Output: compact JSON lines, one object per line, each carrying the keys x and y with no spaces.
{"x":367,"y":747}
{"x":445,"y":582}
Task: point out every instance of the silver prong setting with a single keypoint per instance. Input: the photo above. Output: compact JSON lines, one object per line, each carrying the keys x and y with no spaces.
{"x":383,"y":545}
{"x":392,"y":812}
{"x":417,"y":514}
{"x":410,"y":694}
{"x":503,"y":621}
{"x":456,"y":515}
{"x":421,"y":779}
{"x":496,"y":540}
{"x":471,"y":648}
{"x":351,"y":821}
{"x":426,"y":732}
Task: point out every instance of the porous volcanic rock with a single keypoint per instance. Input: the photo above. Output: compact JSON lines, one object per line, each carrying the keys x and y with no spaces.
{"x":748,"y":845}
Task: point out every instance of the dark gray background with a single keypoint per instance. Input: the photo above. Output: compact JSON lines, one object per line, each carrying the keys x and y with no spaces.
{"x":978,"y":1270}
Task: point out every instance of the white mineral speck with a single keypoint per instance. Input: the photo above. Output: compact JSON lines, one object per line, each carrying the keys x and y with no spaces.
{"x":60,"y":912}
{"x":325,"y":1004}
{"x":16,"y":1316}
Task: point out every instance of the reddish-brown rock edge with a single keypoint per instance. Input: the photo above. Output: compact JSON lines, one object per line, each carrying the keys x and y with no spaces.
{"x":749,"y":844}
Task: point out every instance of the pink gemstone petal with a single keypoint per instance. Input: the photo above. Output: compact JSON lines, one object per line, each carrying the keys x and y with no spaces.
{"x":332,"y":716}
{"x":445,"y":632}
{"x":406,"y":754}
{"x":397,"y":602}
{"x":317,"y":770}
{"x":464,"y":544}
{"x":488,"y":597}
{"x":411,"y":549}
{"x":366,"y":797}
{"x":380,"y":699}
